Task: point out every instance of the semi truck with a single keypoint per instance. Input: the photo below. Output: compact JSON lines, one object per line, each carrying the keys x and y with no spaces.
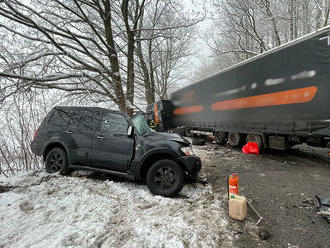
{"x":277,"y":99}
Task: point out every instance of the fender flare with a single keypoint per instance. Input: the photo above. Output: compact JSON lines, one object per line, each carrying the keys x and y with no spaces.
{"x":160,"y":150}
{"x":56,"y":140}
{"x":141,"y":165}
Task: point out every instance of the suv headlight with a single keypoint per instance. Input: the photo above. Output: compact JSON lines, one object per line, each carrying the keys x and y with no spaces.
{"x":187,"y":150}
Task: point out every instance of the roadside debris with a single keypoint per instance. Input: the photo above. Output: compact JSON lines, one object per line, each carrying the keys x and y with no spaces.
{"x":237,"y":207}
{"x":308,"y":201}
{"x":263,"y":234}
{"x":260,"y":217}
{"x":251,"y":148}
{"x":237,"y":232}
{"x":237,"y":204}
{"x":203,"y":181}
{"x":233,"y":185}
{"x":280,"y":206}
{"x":4,"y":189}
{"x":202,"y":178}
{"x":323,"y":207}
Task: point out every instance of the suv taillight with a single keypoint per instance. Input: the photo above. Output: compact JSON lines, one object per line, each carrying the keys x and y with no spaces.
{"x":35,"y":134}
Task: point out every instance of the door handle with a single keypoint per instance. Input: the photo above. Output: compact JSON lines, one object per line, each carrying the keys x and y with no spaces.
{"x":68,"y":132}
{"x":100,"y":137}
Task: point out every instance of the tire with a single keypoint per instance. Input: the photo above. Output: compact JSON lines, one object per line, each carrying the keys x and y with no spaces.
{"x":165,"y":178}
{"x":256,"y":139}
{"x":220,"y":138}
{"x":56,"y":160}
{"x":197,"y":141}
{"x":234,"y":139}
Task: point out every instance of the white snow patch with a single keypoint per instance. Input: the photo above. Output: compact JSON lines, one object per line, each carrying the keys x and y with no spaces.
{"x":230,"y":92}
{"x":304,"y":74}
{"x":274,"y":81}
{"x":56,"y":211}
{"x":254,"y":86}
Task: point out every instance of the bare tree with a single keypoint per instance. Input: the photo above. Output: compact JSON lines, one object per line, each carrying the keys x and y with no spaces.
{"x":164,"y":44}
{"x":245,"y":28}
{"x":89,"y":45}
{"x":20,"y":115}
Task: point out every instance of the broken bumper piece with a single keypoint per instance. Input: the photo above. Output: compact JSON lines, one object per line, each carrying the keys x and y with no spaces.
{"x":323,"y":207}
{"x":192,"y":164}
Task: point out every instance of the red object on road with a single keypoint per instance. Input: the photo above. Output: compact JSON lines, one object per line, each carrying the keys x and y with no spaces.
{"x":251,"y":148}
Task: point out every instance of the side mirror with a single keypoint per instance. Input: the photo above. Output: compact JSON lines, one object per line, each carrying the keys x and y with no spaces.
{"x":130,"y":131}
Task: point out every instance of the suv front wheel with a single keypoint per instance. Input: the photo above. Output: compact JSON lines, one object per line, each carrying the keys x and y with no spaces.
{"x":165,"y":178}
{"x":56,"y":161}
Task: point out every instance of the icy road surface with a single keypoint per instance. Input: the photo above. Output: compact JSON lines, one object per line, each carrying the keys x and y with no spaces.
{"x":42,"y":210}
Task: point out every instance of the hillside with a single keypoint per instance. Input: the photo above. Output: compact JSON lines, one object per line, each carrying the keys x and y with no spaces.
{"x":88,"y":210}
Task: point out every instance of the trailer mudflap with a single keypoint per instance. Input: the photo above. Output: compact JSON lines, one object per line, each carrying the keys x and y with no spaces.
{"x":278,"y":142}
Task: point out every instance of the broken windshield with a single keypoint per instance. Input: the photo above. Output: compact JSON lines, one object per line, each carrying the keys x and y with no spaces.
{"x":141,"y":124}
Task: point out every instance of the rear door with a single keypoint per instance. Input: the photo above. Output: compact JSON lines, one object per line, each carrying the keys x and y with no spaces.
{"x":113,"y":149}
{"x":82,"y":128}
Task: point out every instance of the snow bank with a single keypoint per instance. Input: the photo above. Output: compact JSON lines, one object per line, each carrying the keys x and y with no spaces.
{"x":44,"y":210}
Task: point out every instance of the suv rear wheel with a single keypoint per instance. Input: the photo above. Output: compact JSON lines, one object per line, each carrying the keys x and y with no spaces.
{"x":165,"y":178}
{"x":56,"y":161}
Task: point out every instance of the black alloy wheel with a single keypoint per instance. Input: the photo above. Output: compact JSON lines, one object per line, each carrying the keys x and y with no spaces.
{"x":55,"y":160}
{"x":165,"y":177}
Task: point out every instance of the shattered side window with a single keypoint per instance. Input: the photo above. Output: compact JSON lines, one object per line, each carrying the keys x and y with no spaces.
{"x":141,"y":125}
{"x":114,"y":124}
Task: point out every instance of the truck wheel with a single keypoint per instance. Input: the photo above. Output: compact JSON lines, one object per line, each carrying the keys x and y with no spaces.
{"x":56,"y":161}
{"x":234,"y":139}
{"x":165,"y":178}
{"x":198,"y":141}
{"x":220,"y":138}
{"x":256,"y":139}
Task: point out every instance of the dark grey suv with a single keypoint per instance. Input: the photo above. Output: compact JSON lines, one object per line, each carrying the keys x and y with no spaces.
{"x":107,"y":141}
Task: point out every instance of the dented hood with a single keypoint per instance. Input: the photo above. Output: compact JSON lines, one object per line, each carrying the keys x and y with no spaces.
{"x":171,"y":137}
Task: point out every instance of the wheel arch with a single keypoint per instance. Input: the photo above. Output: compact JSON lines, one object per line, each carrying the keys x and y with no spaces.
{"x":154,"y":156}
{"x":53,"y":144}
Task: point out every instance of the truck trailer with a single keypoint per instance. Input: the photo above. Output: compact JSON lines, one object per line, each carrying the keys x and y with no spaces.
{"x":277,"y":99}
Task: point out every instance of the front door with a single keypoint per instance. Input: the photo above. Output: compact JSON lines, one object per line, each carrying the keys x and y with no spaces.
{"x":113,"y":149}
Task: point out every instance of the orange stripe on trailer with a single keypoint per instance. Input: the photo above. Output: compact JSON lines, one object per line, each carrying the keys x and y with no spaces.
{"x":188,"y":110}
{"x":279,"y":98}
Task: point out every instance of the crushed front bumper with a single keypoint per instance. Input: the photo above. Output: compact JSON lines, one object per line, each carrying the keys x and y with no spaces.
{"x":192,"y":164}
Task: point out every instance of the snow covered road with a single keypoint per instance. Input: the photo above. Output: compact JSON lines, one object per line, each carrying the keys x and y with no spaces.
{"x":43,"y":210}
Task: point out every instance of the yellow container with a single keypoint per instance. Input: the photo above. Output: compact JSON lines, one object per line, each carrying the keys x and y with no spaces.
{"x":237,"y":207}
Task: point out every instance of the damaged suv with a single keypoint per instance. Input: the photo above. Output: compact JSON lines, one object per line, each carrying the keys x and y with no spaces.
{"x":107,"y":141}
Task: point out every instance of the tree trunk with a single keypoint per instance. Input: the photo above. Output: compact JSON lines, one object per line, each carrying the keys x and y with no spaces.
{"x":292,"y":18}
{"x":327,"y":13}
